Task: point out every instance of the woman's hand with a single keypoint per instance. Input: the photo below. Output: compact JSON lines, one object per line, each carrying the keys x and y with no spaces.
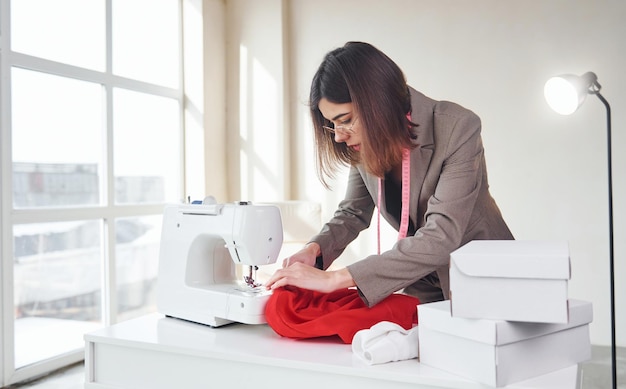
{"x":307,"y":255}
{"x":308,"y":277}
{"x":299,"y":270}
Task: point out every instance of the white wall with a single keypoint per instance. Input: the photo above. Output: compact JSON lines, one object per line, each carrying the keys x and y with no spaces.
{"x":206,"y":110}
{"x":257,"y":120}
{"x":547,"y":172}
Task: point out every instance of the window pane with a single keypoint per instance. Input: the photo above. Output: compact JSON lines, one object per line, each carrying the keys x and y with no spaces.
{"x":146,"y":130}
{"x":137,"y":257}
{"x":68,"y":31}
{"x":151,"y":52}
{"x":57,"y":287}
{"x":57,"y":140}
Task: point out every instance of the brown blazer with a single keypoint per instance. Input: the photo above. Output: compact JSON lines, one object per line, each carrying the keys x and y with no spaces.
{"x":450,"y":206}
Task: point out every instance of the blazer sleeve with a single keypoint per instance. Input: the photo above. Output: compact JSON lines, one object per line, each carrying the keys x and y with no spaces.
{"x":353,"y":215}
{"x":452,"y":186}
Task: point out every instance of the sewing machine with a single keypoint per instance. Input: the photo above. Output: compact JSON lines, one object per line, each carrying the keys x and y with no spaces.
{"x":203,"y":249}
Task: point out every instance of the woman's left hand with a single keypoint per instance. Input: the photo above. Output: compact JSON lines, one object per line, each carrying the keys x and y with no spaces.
{"x":308,"y":277}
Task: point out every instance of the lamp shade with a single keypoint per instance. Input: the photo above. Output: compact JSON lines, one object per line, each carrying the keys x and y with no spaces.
{"x":567,"y":92}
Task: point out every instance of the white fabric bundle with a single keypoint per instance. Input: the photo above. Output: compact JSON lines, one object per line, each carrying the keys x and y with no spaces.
{"x":386,"y":342}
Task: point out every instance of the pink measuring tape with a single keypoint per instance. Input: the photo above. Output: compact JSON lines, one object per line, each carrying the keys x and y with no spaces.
{"x":406,"y":192}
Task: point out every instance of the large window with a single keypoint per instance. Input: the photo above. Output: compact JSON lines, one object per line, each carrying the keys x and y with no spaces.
{"x":91,"y":150}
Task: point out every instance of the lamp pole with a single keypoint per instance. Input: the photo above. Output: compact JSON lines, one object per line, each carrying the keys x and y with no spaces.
{"x":611,"y":252}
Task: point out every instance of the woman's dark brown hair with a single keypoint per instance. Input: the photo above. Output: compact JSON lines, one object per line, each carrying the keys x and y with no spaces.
{"x":360,"y":74}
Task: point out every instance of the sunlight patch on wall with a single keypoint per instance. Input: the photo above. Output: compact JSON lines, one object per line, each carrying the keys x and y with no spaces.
{"x":260,"y":130}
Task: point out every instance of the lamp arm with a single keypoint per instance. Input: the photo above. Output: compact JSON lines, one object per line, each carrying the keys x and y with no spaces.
{"x":611,"y":251}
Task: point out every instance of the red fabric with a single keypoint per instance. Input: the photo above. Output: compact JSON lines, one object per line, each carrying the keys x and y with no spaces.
{"x":300,"y":313}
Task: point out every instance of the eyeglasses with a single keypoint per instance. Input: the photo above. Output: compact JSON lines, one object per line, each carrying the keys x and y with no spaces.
{"x":345,"y":130}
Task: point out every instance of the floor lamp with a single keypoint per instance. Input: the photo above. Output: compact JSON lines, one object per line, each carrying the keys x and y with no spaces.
{"x":565,"y":94}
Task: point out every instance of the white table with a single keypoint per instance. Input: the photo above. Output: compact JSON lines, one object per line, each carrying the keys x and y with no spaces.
{"x":155,"y":352}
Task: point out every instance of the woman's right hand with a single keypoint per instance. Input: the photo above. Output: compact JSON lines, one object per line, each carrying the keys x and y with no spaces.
{"x":307,"y":255}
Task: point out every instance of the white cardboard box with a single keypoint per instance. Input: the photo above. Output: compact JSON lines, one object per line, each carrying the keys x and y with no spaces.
{"x":499,"y":353}
{"x":511,"y":280}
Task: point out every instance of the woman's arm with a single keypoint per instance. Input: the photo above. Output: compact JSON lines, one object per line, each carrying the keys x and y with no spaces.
{"x":353,"y":215}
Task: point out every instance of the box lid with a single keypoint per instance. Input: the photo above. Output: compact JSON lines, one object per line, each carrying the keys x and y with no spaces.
{"x":437,"y":317}
{"x":513,"y":259}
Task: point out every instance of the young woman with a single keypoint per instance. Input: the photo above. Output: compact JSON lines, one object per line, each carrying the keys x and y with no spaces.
{"x":420,"y":162}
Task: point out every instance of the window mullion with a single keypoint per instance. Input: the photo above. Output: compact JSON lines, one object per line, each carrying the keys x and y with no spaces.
{"x":7,"y":359}
{"x":109,"y":299}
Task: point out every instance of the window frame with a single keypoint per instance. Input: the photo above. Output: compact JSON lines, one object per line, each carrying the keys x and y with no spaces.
{"x":107,"y":211}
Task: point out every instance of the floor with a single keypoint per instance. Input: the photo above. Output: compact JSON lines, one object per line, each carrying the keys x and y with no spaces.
{"x":596,"y":373}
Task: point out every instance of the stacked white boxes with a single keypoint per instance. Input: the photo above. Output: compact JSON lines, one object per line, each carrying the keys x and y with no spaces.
{"x":509,"y":317}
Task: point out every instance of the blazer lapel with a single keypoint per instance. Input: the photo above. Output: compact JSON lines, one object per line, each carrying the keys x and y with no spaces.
{"x":420,"y":160}
{"x":422,"y":109}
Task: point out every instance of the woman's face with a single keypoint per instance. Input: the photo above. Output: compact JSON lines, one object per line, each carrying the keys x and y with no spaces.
{"x":344,"y":122}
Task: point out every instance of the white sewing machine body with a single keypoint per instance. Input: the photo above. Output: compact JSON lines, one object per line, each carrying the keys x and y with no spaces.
{"x":200,"y":247}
